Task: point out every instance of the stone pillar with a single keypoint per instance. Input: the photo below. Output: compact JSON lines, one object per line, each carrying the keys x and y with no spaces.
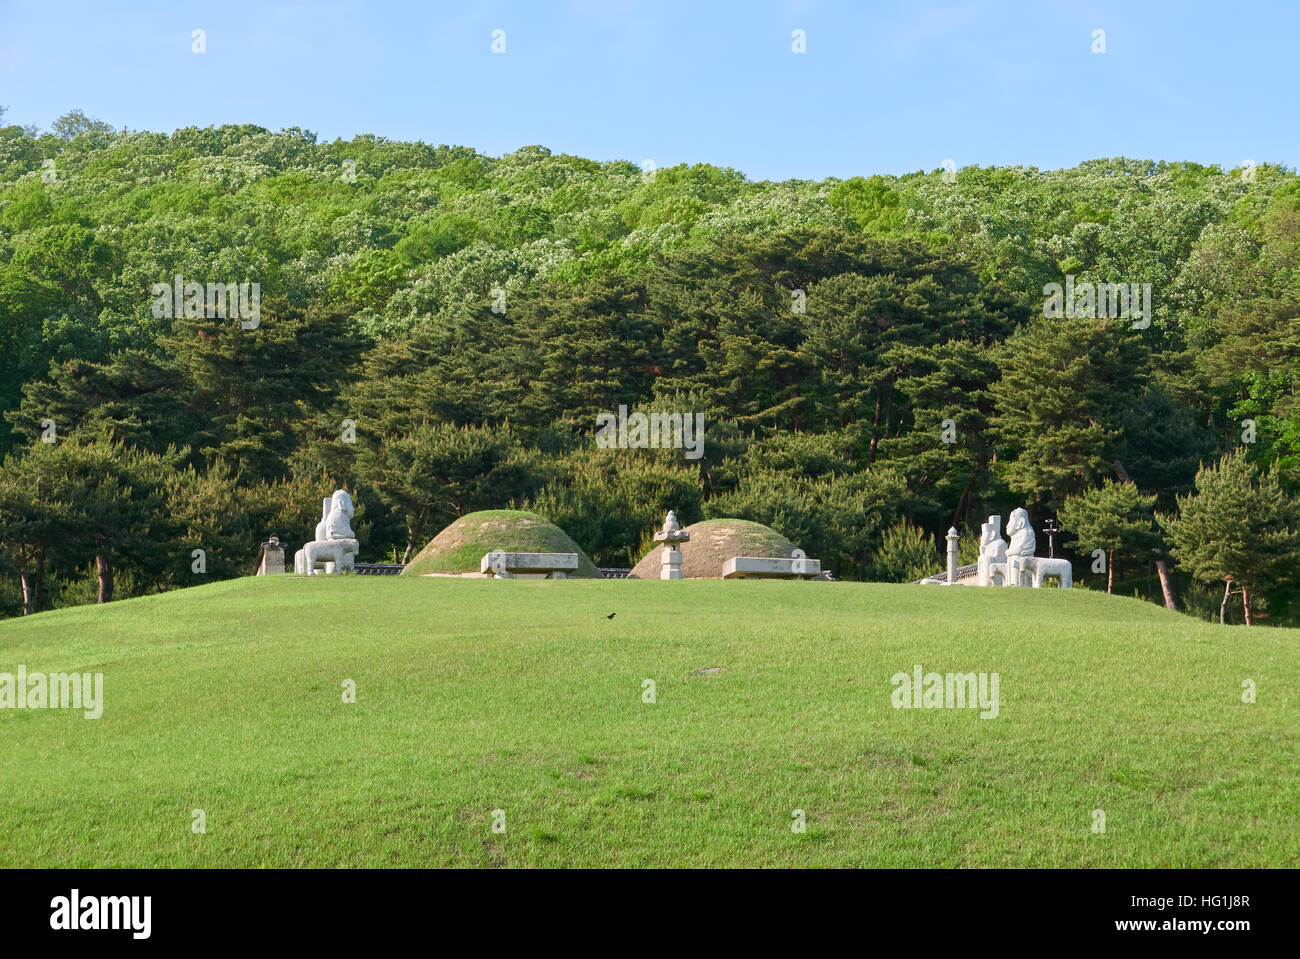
{"x":952,"y":538}
{"x":670,"y":562}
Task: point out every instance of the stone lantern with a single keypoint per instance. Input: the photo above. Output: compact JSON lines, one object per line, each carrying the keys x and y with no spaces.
{"x":671,"y":557}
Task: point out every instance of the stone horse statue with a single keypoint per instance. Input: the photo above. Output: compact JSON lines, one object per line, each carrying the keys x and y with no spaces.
{"x":335,"y":548}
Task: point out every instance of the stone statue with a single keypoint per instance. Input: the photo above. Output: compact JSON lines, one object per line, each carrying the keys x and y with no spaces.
{"x":335,"y":548}
{"x":1023,"y":541}
{"x":993,"y":553}
{"x":1023,"y":567}
{"x":992,"y":544}
{"x":337,"y":520}
{"x":1001,"y":564}
{"x":1021,"y":548}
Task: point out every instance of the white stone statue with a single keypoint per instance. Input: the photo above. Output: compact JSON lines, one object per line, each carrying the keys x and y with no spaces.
{"x":1023,"y":541}
{"x":335,"y":548}
{"x":1023,"y":568}
{"x":1013,"y":565}
{"x":992,"y":544}
{"x":1021,"y":548}
{"x":336,"y":523}
{"x":993,"y":553}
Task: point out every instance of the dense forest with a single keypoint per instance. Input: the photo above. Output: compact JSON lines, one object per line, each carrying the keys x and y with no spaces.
{"x":438,"y":331}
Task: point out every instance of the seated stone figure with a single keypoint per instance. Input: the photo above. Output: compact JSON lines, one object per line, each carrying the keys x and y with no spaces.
{"x":335,"y":547}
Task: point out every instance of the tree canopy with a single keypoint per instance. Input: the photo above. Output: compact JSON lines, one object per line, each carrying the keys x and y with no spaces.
{"x":438,"y":330}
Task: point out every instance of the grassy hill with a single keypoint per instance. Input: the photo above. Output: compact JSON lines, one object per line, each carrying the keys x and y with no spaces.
{"x":479,"y":695}
{"x":712,"y":543}
{"x":460,"y":547}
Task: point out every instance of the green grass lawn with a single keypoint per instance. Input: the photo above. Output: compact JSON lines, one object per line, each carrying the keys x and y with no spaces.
{"x":479,"y":695}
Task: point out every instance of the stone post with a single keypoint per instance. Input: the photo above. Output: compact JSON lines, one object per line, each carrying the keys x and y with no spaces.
{"x":272,"y":557}
{"x":497,"y":561}
{"x":952,"y":538}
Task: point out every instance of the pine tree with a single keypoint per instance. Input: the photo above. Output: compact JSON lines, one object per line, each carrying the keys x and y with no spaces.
{"x":253,"y":390}
{"x":1115,"y":517}
{"x":31,"y":518}
{"x":1066,"y":388}
{"x":438,"y":470}
{"x":907,"y":554}
{"x":1238,"y":526}
{"x":116,"y":507}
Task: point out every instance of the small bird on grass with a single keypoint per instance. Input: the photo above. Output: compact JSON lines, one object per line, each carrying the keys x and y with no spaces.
{"x":611,"y":616}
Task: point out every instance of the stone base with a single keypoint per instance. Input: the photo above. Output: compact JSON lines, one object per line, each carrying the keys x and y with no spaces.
{"x":1025,"y":571}
{"x":328,"y":555}
{"x":505,"y":565}
{"x":762,"y":567}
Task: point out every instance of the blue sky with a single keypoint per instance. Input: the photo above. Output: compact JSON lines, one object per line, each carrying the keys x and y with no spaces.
{"x":882,"y":88}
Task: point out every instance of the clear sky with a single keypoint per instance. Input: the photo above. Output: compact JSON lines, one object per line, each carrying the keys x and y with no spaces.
{"x":883,"y":87}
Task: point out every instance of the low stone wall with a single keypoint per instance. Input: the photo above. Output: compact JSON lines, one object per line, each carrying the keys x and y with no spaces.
{"x":379,"y":569}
